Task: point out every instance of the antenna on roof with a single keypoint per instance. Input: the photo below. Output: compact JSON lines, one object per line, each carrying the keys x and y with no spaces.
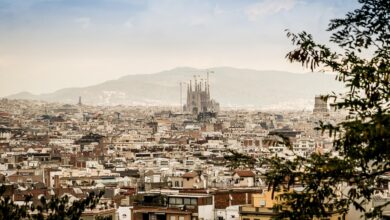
{"x":181,"y":95}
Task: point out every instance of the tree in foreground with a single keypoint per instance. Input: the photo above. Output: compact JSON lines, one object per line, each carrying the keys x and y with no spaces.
{"x":336,"y":183}
{"x":53,"y":208}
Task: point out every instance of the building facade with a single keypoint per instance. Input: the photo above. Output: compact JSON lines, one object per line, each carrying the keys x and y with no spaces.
{"x":320,"y":105}
{"x":198,"y":98}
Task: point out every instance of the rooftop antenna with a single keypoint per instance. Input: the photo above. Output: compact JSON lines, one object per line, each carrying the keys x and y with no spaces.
{"x":181,"y":95}
{"x":208,"y":80}
{"x":196,"y":85}
{"x":208,"y":73}
{"x":200,"y":83}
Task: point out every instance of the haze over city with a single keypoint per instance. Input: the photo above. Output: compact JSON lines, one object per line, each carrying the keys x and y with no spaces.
{"x":195,"y":109}
{"x":47,"y":45}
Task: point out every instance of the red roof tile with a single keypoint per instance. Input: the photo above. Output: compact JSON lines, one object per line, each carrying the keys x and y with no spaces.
{"x":190,"y":175}
{"x":244,"y":173}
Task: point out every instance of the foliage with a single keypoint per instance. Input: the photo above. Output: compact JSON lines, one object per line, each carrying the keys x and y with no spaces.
{"x":332,"y":182}
{"x":53,"y":208}
{"x":239,"y":160}
{"x":362,"y":140}
{"x":9,"y":210}
{"x":103,"y":218}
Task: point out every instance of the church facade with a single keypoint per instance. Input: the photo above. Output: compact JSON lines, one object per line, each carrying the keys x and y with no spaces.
{"x":198,"y":98}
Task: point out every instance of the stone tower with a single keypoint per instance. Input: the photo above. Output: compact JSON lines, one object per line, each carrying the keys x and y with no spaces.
{"x":320,"y":105}
{"x":198,"y":98}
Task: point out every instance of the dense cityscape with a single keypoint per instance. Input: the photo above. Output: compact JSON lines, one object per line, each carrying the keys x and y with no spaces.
{"x":153,"y":162}
{"x":194,"y":110}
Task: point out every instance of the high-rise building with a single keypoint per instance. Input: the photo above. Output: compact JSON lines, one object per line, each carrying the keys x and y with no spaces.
{"x":198,"y":98}
{"x":320,"y":105}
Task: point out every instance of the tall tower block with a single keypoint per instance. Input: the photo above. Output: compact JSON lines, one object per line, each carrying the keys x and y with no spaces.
{"x":320,"y":105}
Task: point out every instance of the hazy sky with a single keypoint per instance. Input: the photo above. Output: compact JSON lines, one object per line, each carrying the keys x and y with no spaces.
{"x":47,"y":45}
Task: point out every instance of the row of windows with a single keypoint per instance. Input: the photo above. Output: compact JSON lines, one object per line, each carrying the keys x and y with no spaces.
{"x":174,"y":218}
{"x":178,"y":183}
{"x":183,"y":201}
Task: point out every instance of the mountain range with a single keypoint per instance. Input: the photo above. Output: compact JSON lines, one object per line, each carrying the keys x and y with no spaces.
{"x":231,"y":87}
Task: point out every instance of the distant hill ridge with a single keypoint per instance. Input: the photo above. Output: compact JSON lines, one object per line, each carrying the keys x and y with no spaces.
{"x":232,"y":87}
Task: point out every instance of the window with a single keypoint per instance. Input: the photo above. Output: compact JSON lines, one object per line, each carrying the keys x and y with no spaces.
{"x":194,"y":201}
{"x":181,"y":217}
{"x":176,"y":201}
{"x":187,"y":201}
{"x":262,"y":202}
{"x":179,"y":201}
{"x":172,"y":217}
{"x":209,"y":201}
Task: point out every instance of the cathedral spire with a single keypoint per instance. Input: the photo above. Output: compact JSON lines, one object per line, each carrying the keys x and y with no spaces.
{"x":198,"y":96}
{"x":196,"y":84}
{"x":208,"y":89}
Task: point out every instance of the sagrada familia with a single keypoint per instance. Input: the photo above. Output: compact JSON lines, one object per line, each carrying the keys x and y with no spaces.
{"x":198,"y":98}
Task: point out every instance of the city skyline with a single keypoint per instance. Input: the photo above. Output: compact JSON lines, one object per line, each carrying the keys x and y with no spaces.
{"x":195,"y":109}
